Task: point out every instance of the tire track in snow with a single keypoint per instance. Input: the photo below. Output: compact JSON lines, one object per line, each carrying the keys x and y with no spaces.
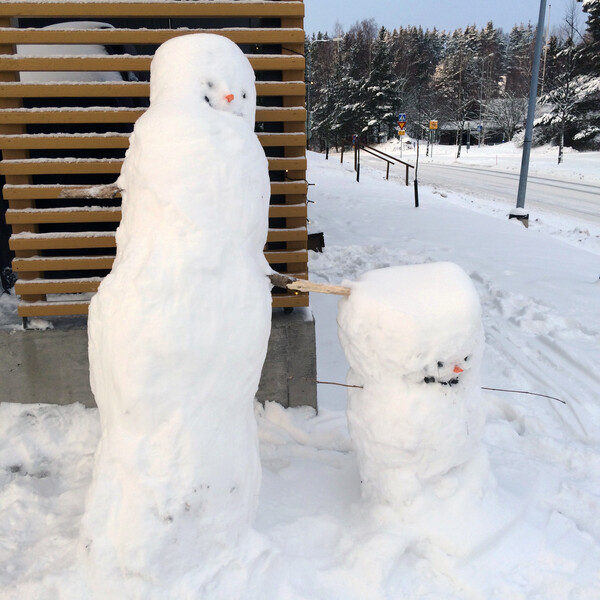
{"x":535,"y":358}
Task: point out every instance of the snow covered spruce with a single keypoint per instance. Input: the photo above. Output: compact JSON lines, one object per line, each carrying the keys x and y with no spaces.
{"x":413,"y":337}
{"x":178,"y":333}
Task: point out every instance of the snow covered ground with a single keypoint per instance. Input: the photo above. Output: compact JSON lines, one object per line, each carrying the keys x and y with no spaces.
{"x":537,"y":538}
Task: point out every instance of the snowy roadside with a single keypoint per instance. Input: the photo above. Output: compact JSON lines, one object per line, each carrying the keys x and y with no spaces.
{"x":540,"y":535}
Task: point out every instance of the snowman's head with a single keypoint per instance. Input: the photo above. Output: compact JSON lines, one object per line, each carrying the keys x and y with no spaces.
{"x":416,"y":323}
{"x":207,"y":72}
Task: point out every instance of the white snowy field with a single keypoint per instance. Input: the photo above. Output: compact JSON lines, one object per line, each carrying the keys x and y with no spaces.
{"x":535,"y":537}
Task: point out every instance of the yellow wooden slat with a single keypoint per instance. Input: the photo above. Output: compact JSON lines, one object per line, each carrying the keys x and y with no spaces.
{"x":58,"y":167}
{"x":84,"y":263}
{"x":254,"y":35}
{"x":68,"y":263}
{"x":286,"y":256}
{"x":58,"y":286}
{"x":124,"y":89}
{"x":71,"y":242}
{"x":69,"y":115}
{"x":22,"y":116}
{"x":151,"y":9}
{"x":73,"y":286}
{"x":112,"y":215}
{"x":57,"y":309}
{"x":52,"y":309}
{"x":52,"y":192}
{"x":290,"y":300}
{"x":117,"y":140}
{"x":259,"y":62}
{"x":38,"y":216}
{"x":287,"y":210}
{"x":107,"y":240}
{"x":106,"y":165}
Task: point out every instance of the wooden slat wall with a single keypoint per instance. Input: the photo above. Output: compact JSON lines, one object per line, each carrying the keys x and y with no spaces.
{"x":67,"y":136}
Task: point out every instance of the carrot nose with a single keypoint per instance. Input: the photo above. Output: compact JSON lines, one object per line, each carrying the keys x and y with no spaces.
{"x":229,"y":97}
{"x":457,"y":369}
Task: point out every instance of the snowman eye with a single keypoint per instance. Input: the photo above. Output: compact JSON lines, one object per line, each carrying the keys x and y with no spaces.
{"x":440,"y":364}
{"x":243,"y":94}
{"x":209,"y":84}
{"x":207,"y":99}
{"x":466,"y":358}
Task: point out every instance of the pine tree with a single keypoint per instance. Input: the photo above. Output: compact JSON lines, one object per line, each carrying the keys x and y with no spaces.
{"x":380,"y":90}
{"x":519,"y":59}
{"x":590,"y":51}
{"x":456,"y":80}
{"x":573,"y":99}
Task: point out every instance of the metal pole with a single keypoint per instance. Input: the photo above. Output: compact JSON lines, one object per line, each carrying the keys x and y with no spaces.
{"x":416,"y":183}
{"x":519,"y":211}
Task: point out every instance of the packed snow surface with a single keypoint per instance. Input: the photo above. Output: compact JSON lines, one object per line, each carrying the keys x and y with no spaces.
{"x":178,"y":334}
{"x":539,"y":535}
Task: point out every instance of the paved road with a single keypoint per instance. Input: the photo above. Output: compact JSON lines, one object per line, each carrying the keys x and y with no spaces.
{"x":579,"y":200}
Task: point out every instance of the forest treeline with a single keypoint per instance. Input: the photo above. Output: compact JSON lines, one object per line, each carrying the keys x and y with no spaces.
{"x":469,"y":80}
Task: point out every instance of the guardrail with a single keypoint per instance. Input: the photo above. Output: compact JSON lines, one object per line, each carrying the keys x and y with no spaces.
{"x":388,"y":158}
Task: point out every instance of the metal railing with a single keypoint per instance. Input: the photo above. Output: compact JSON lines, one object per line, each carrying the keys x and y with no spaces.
{"x":357,"y":145}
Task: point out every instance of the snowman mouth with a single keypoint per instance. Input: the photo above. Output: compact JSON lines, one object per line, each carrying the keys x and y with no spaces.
{"x":448,"y":382}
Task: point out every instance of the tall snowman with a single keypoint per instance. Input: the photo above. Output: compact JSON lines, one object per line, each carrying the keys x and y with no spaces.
{"x":178,"y":331}
{"x":413,"y":337}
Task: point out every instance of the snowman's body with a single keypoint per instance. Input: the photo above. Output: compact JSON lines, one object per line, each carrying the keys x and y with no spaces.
{"x":179,"y":329}
{"x":414,"y":339}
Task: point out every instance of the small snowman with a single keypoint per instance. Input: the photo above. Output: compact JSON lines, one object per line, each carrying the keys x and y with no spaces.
{"x":178,"y":331}
{"x":413,"y":337}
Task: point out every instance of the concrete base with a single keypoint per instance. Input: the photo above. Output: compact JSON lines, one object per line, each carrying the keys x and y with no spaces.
{"x":524,"y":218}
{"x":52,"y":366}
{"x":290,"y":371}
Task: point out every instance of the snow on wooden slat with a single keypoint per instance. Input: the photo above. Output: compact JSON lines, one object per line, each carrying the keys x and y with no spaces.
{"x":124,"y":89}
{"x":92,"y":214}
{"x":116,"y":140}
{"x":100,"y":239}
{"x":62,"y":263}
{"x":98,"y":214}
{"x":52,"y":192}
{"x":260,"y":62}
{"x":55,"y":309}
{"x":66,"y":166}
{"x":99,"y":114}
{"x":61,"y":241}
{"x":239,"y":8}
{"x":77,"y":263}
{"x":58,"y":286}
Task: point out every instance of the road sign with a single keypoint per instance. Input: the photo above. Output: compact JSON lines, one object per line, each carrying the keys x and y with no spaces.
{"x":402,"y":124}
{"x":402,"y":117}
{"x":433,"y":124}
{"x":401,"y":132}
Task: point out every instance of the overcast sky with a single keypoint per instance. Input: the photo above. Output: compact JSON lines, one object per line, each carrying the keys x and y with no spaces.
{"x":322,"y":15}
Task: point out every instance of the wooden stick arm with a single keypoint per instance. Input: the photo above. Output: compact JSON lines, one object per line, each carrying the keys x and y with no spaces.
{"x":303,"y":285}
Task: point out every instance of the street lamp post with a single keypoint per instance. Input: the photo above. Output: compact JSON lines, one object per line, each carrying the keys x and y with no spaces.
{"x":519,"y":211}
